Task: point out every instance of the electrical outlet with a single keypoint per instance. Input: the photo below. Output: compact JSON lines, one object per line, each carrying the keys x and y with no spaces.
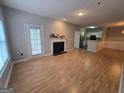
{"x":21,"y":54}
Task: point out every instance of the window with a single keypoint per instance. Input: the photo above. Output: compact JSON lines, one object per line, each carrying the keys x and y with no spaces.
{"x":35,"y":41}
{"x":3,"y":47}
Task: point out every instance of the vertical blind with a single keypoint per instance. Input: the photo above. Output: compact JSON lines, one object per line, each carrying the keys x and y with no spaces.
{"x":3,"y":47}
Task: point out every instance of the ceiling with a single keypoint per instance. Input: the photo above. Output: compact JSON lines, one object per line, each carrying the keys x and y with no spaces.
{"x":107,"y":12}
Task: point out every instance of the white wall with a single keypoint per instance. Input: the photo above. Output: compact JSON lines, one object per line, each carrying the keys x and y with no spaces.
{"x":15,"y":23}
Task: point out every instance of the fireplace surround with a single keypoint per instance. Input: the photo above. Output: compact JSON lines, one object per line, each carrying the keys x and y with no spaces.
{"x":58,"y":46}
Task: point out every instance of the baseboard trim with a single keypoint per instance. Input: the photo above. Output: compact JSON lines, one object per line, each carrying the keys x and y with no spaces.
{"x":47,"y":54}
{"x":22,"y":60}
{"x":26,"y":59}
{"x":8,"y":76}
{"x":70,"y":49}
{"x":121,"y":80}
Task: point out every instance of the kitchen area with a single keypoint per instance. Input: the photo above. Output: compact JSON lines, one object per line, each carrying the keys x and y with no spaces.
{"x":89,"y":38}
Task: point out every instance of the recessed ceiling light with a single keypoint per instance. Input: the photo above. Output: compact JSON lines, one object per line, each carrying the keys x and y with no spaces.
{"x":80,"y":12}
{"x":91,"y":27}
{"x":64,"y":19}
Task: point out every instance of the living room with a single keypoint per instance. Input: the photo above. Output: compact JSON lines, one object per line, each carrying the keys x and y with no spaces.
{"x":61,"y":46}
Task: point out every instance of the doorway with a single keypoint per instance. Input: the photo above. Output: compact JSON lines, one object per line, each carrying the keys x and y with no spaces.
{"x":34,"y":40}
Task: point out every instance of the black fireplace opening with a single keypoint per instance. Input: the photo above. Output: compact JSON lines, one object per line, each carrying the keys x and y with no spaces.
{"x":58,"y":48}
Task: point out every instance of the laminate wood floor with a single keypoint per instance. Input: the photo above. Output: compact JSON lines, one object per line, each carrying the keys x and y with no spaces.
{"x":77,"y":71}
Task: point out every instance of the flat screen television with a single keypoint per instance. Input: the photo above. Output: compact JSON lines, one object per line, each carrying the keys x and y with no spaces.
{"x":93,"y":37}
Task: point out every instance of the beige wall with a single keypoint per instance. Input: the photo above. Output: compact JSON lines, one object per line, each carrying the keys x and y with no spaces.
{"x":114,"y":34}
{"x":15,"y":21}
{"x":112,"y":38}
{"x":101,"y":43}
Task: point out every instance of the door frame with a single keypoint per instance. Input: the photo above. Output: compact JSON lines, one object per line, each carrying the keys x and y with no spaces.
{"x":77,"y":39}
{"x":28,"y":42}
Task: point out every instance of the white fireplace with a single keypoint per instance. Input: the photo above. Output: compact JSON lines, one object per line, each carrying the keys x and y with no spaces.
{"x":57,"y":40}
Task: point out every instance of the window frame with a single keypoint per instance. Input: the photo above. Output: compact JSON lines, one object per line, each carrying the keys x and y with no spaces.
{"x":27,"y":39}
{"x":8,"y":58}
{"x":31,"y":27}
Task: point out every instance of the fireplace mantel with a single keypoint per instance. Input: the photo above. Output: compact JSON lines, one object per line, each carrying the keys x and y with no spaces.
{"x":57,"y":40}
